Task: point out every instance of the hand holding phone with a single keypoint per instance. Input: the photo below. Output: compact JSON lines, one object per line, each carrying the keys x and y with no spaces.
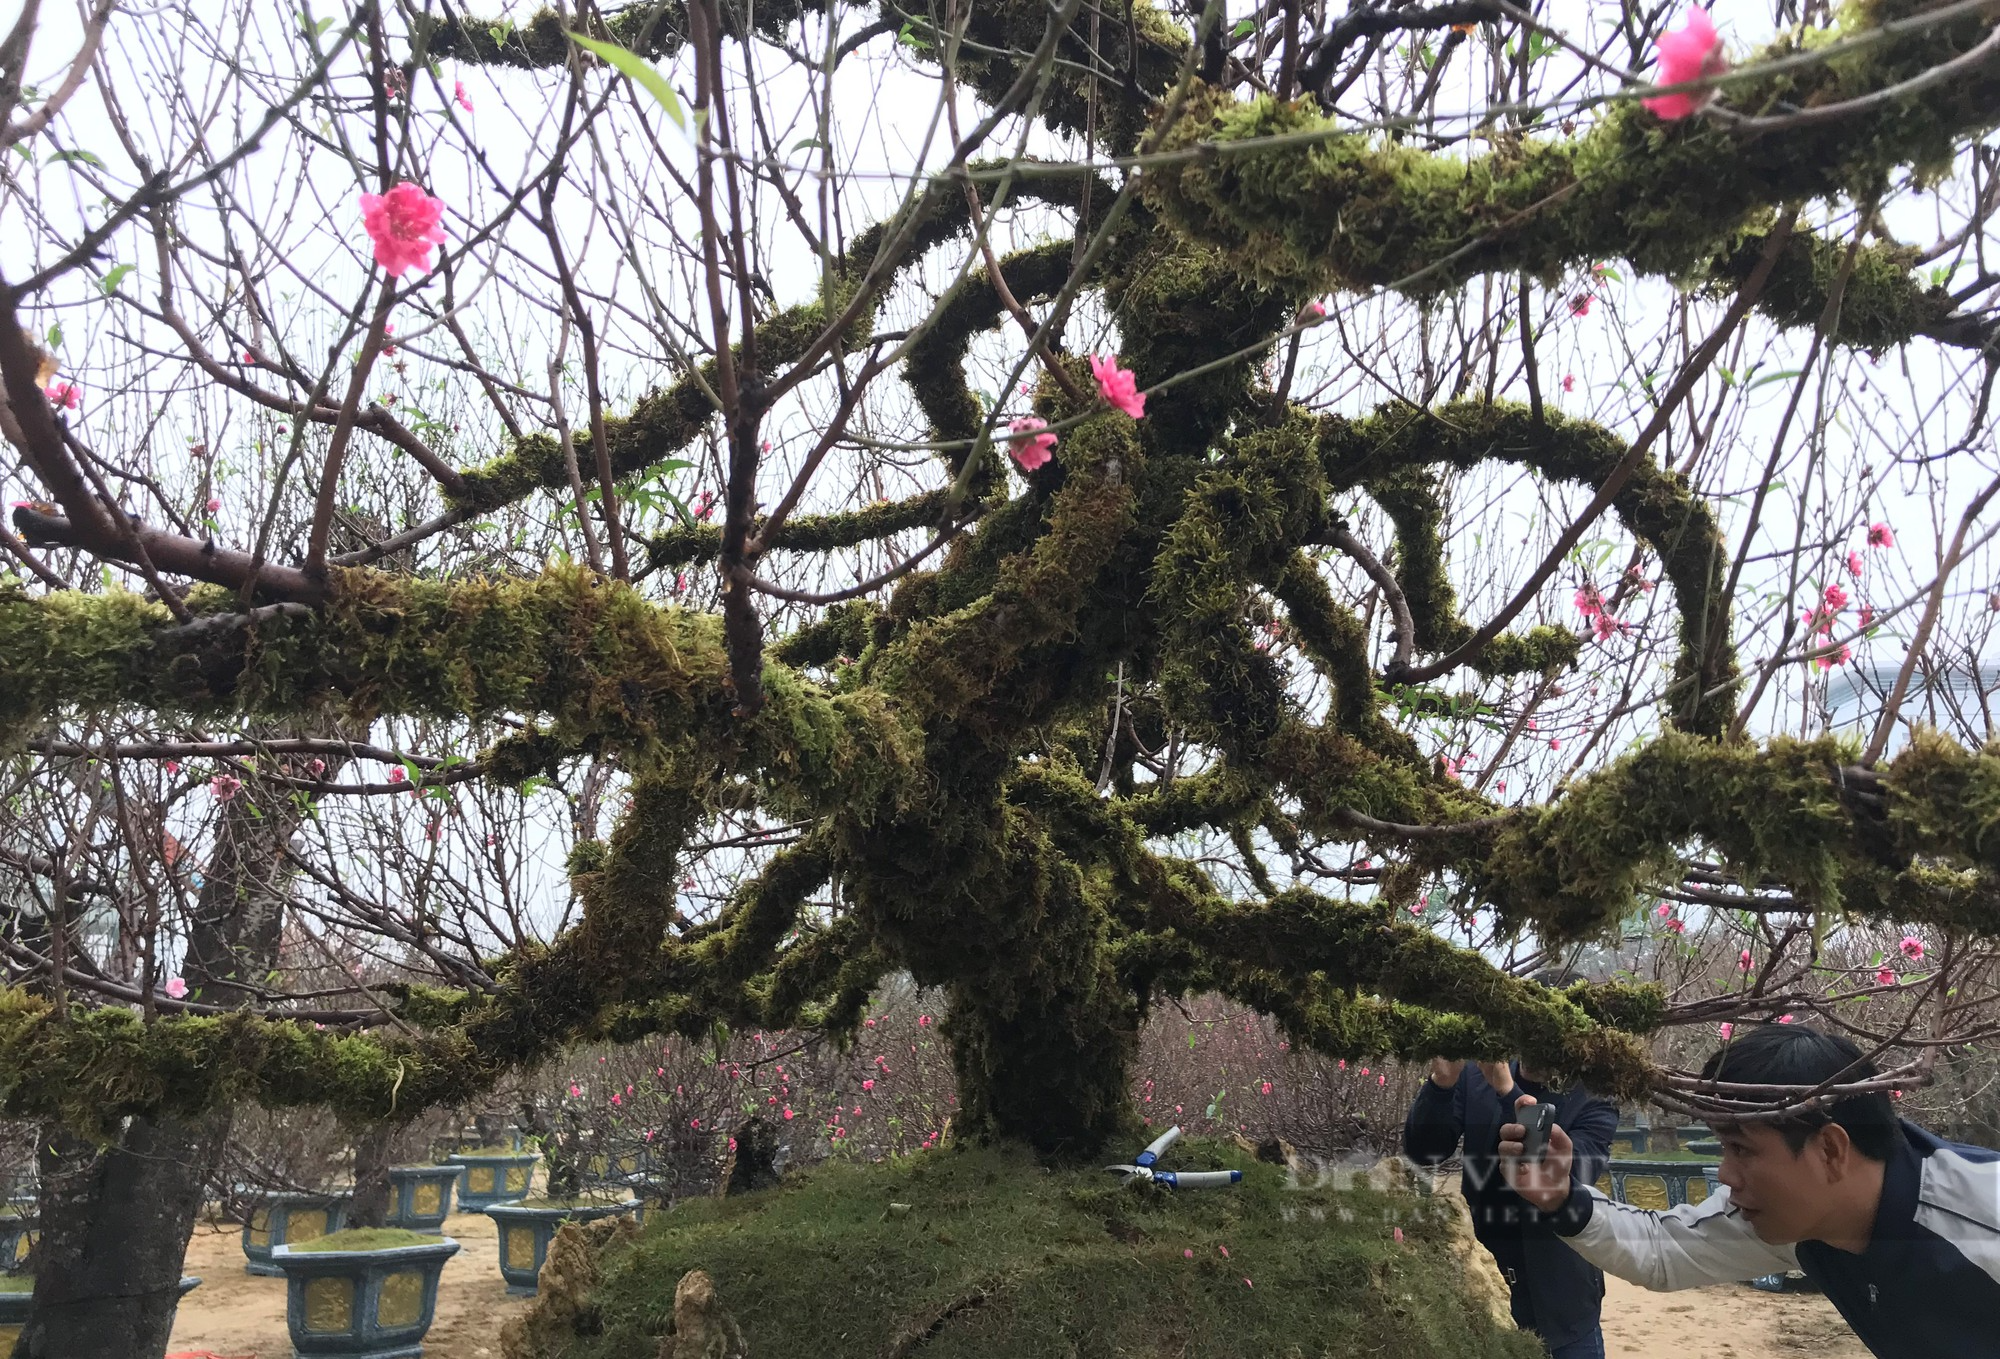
{"x":1536,"y":1120}
{"x":1536,"y":1155}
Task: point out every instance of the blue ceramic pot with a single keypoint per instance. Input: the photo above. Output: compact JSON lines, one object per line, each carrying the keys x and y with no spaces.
{"x":525,"y":1234}
{"x":494,"y":1177}
{"x":420,"y":1196}
{"x":276,"y":1219}
{"x":362,"y":1304}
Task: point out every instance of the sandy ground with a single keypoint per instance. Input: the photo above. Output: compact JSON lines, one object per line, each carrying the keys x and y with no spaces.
{"x":240,"y":1317}
{"x":1732,"y":1321}
{"x":235,"y":1315}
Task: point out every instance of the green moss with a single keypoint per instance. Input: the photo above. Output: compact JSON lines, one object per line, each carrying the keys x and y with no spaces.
{"x":1056,"y":1263}
{"x":364,"y":1238}
{"x":1355,"y":212}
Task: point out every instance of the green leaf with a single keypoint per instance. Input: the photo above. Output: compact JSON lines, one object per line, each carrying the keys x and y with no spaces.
{"x":109,"y":283}
{"x":640,"y":70}
{"x":1244,"y":28}
{"x":1782,"y":375}
{"x":808,"y":144}
{"x":55,"y":336}
{"x":84,"y":156}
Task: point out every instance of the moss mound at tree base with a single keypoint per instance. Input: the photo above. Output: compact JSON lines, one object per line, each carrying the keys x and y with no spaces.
{"x":997,"y":1257}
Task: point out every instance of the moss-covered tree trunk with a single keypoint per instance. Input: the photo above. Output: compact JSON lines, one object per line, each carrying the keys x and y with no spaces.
{"x":1042,"y":1032}
{"x":115,"y":1228}
{"x":1051,"y":1069}
{"x":373,"y":1148}
{"x":116,"y":1219}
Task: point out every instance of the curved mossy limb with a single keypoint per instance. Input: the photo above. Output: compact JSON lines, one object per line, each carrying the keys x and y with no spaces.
{"x":1658,"y":507}
{"x":1241,"y":521}
{"x":1330,"y":634}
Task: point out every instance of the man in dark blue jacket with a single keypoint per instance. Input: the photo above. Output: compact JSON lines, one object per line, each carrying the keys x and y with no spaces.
{"x":1554,"y":1292}
{"x":1899,"y":1227}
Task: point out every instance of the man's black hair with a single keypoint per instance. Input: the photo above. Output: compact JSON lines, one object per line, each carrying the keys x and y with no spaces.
{"x":1794,"y":1054}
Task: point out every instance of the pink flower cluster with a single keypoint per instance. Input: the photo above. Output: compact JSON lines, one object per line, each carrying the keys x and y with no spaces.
{"x":404,"y":225}
{"x":1591,"y":605}
{"x":1820,"y":621}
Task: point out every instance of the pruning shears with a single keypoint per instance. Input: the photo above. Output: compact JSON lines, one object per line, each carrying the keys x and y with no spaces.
{"x":1143,"y":1171}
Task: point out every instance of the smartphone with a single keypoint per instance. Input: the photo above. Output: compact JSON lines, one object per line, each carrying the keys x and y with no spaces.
{"x":1537,"y":1119}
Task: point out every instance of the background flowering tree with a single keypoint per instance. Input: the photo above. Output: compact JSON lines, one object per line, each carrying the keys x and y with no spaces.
{"x":573,"y":527}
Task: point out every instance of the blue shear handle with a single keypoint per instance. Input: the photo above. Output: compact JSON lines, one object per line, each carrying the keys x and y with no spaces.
{"x":1196,"y":1179}
{"x":1160,"y":1144}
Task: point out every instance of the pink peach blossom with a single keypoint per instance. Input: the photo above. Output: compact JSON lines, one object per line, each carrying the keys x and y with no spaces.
{"x":458,"y":93}
{"x":1723,"y":1031}
{"x":1912,"y":947}
{"x":1854,"y":565}
{"x":1880,"y":536}
{"x":1117,"y":386}
{"x":224,"y":786}
{"x":64,"y":395}
{"x":1885,"y":977}
{"x":1687,"y":53}
{"x":1030,"y":443}
{"x":176,"y":987}
{"x":404,"y":226}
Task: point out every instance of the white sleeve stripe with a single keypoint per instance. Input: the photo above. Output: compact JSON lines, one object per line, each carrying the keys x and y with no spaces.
{"x":1958,"y":1200}
{"x":1684,"y":1247}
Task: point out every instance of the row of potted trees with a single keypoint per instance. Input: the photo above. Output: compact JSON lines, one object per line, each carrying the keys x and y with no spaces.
{"x":370,"y":1291}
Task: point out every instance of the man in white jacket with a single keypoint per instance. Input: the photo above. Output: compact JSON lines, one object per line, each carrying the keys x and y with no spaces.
{"x":1900,"y":1228}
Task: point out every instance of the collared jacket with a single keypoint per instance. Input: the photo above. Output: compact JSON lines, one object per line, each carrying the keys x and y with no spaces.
{"x":1554,"y":1291}
{"x":1926,"y":1287}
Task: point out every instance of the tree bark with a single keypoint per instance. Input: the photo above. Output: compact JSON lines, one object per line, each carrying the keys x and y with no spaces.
{"x":374,"y":1149}
{"x":115,"y":1228}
